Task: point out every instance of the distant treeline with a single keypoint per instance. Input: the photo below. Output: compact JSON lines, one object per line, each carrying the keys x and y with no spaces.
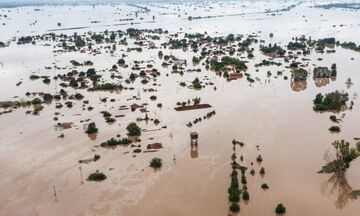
{"x":26,"y":3}
{"x":354,"y":6}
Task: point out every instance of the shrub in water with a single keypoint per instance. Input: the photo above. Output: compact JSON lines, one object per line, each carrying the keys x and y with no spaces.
{"x":96,"y":176}
{"x":280,"y":209}
{"x":234,"y":207}
{"x":262,"y":171}
{"x":133,"y":129}
{"x":264,"y":186}
{"x":96,"y":157}
{"x":245,"y":196}
{"x":334,"y":129}
{"x":92,"y":128}
{"x":156,"y":163}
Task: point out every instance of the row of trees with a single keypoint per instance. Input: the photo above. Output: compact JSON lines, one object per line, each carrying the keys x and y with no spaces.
{"x":333,"y":101}
{"x":133,"y":130}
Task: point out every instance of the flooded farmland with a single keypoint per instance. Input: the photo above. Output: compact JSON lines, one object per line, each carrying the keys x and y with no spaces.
{"x":168,"y":108}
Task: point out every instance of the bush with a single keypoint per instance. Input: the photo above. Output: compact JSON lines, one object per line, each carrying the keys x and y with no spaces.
{"x":195,"y":60}
{"x":264,"y":186}
{"x":245,"y":196}
{"x":354,"y":194}
{"x":197,"y":86}
{"x":105,"y":86}
{"x":88,"y":63}
{"x":234,"y":207}
{"x":48,"y":97}
{"x":137,"y":150}
{"x":75,"y":63}
{"x":156,"y":163}
{"x":96,"y":157}
{"x":133,"y":129}
{"x":121,"y":62}
{"x":243,"y":179}
{"x":110,"y":120}
{"x":334,"y":129}
{"x":96,"y":176}
{"x":196,"y":83}
{"x":36,"y":101}
{"x":144,"y":81}
{"x":280,"y":209}
{"x":37,"y":109}
{"x":262,"y":171}
{"x":46,"y":80}
{"x":114,"y":142}
{"x":252,"y":172}
{"x":106,"y":114}
{"x":33,"y":77}
{"x":92,"y":128}
{"x":234,"y":196}
{"x":73,"y":83}
{"x":333,"y":118}
{"x":132,"y":77}
{"x":79,"y":96}
{"x":142,"y":73}
{"x":234,"y":193}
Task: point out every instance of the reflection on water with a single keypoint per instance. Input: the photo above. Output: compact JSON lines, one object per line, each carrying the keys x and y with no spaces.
{"x":194,"y":153}
{"x":348,"y":83}
{"x":321,"y":82}
{"x":298,"y":85}
{"x":92,"y":136}
{"x":338,"y":185}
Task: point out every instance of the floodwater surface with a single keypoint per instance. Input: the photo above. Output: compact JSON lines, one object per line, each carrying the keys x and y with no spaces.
{"x":41,"y":173}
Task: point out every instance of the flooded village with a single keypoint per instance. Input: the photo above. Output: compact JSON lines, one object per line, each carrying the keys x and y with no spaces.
{"x":180,"y":108}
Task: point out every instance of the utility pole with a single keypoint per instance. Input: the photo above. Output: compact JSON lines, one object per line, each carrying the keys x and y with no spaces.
{"x":81,"y":176}
{"x":55,"y":193}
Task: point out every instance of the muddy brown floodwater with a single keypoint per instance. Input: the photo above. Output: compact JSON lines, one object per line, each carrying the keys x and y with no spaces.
{"x":272,"y":113}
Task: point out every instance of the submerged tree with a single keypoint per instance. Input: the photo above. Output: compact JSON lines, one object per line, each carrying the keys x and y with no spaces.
{"x":197,"y":100}
{"x":344,"y":155}
{"x":92,"y":128}
{"x":332,"y":101}
{"x":133,"y":129}
{"x":196,"y":83}
{"x":96,"y":176}
{"x":156,"y":163}
{"x":280,"y":209}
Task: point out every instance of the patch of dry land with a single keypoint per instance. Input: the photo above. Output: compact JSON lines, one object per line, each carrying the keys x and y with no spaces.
{"x":98,"y":102}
